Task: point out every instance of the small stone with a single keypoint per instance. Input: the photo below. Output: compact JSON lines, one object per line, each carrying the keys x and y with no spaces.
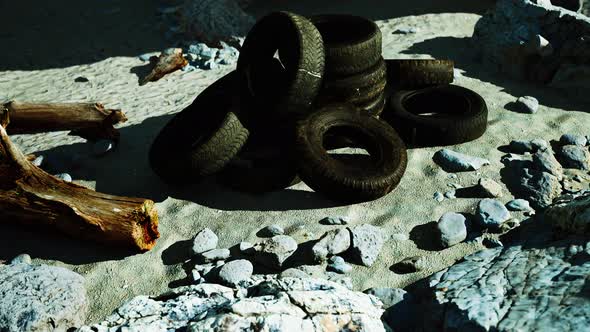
{"x":367,"y":241}
{"x":64,"y":176}
{"x":399,"y":237}
{"x":215,"y":255}
{"x":196,"y":275}
{"x":491,"y":213}
{"x":492,"y":243}
{"x":453,"y":161}
{"x":539,"y":144}
{"x":235,"y":272}
{"x":38,"y":161}
{"x":338,"y":265}
{"x":489,"y":188}
{"x":204,"y":240}
{"x":438,"y":196}
{"x":571,"y":139}
{"x":528,"y":104}
{"x":518,"y":204}
{"x":410,"y":265}
{"x":389,"y":296}
{"x":102,"y":146}
{"x":198,"y":48}
{"x":274,"y":251}
{"x":545,"y":161}
{"x":81,"y":79}
{"x":145,"y":57}
{"x":520,"y":146}
{"x":188,"y":68}
{"x":293,"y":273}
{"x":452,"y":176}
{"x":450,"y":194}
{"x":456,"y":73}
{"x":21,"y":259}
{"x":340,"y":279}
{"x":574,"y":156}
{"x":332,"y":242}
{"x":339,"y":220}
{"x":169,"y":51}
{"x":210,"y":64}
{"x":246,"y":247}
{"x":272,"y":230}
{"x":451,"y":229}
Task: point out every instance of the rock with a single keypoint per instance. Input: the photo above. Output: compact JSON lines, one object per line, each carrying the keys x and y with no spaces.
{"x":339,"y":220}
{"x":145,"y":57}
{"x":64,"y":176}
{"x":401,"y":308}
{"x":453,"y":161}
{"x":235,"y":272}
{"x":539,"y":188}
{"x":215,"y":255}
{"x":272,"y":230}
{"x":518,"y":204}
{"x":574,"y":156}
{"x":522,"y":146}
{"x":274,"y":251}
{"x":570,"y":78}
{"x":338,"y":265}
{"x":21,"y":259}
{"x":399,"y":237}
{"x":188,"y":68}
{"x":367,"y":241}
{"x":227,"y":55}
{"x":544,"y":161}
{"x":409,"y":265}
{"x":451,"y":229}
{"x":196,"y":275}
{"x":293,"y":273}
{"x":491,"y":214}
{"x":102,"y":146}
{"x":456,"y":73}
{"x":571,"y":139}
{"x":572,"y":217}
{"x":450,"y":194}
{"x":438,"y":196}
{"x":405,"y":30}
{"x":41,"y":298}
{"x":38,"y":161}
{"x":200,"y":49}
{"x":332,"y":242}
{"x":339,"y":279}
{"x":527,"y":104}
{"x":204,"y":240}
{"x":539,"y":45}
{"x":492,"y":243}
{"x":168,"y":51}
{"x":489,"y":188}
{"x":512,"y":289}
{"x":246,"y":247}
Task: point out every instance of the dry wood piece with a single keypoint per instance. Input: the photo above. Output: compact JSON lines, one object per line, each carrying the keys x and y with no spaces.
{"x":87,"y":120}
{"x":32,"y":197}
{"x":166,"y":63}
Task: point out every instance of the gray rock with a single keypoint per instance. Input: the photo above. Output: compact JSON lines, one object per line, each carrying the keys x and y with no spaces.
{"x":438,"y":196}
{"x":570,"y":78}
{"x":64,"y":176}
{"x":227,"y":55}
{"x":399,"y":237}
{"x":200,"y":49}
{"x":332,"y":242}
{"x":145,"y":57}
{"x":539,"y":144}
{"x":274,"y":251}
{"x":246,"y":247}
{"x":401,"y":308}
{"x":545,"y":161}
{"x":102,"y":146}
{"x":450,"y":194}
{"x":389,"y":296}
{"x":527,"y":104}
{"x":338,"y":265}
{"x":38,"y":161}
{"x":204,"y":240}
{"x":451,"y":229}
{"x":574,"y":156}
{"x":571,"y":216}
{"x":571,"y":139}
{"x":188,"y":68}
{"x":168,"y":51}
{"x":367,"y":241}
{"x":41,"y":298}
{"x":21,"y":259}
{"x":513,"y":289}
{"x":539,"y":188}
{"x":293,"y":273}
{"x":340,"y":279}
{"x":491,"y":214}
{"x":215,"y":255}
{"x":457,"y":162}
{"x":272,"y":230}
{"x":456,"y":73}
{"x":235,"y":272}
{"x":489,"y":188}
{"x":339,"y":220}
{"x":196,"y":275}
{"x":518,"y":204}
{"x":522,"y":146}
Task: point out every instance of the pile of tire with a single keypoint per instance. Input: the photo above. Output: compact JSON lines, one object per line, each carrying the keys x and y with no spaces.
{"x":302,"y":86}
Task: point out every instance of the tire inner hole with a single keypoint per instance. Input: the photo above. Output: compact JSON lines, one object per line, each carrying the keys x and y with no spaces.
{"x":353,"y":146}
{"x":345,"y":30}
{"x":436,"y":103}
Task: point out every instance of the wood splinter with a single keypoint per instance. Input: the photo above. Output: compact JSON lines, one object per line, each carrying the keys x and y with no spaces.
{"x":32,"y":197}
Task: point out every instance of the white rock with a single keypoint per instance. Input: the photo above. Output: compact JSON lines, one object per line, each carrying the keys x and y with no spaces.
{"x":204,"y":240}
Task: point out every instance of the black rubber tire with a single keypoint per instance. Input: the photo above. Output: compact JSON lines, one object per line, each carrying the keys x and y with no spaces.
{"x":202,"y":138}
{"x":460,"y":115}
{"x":374,"y":75}
{"x":352,"y":43}
{"x":418,"y":73}
{"x":336,"y":179}
{"x":301,"y":50}
{"x":374,"y":107}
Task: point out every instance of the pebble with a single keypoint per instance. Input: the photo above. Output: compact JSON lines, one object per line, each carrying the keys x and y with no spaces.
{"x":21,"y":259}
{"x":64,"y":176}
{"x":215,"y":255}
{"x":399,"y":237}
{"x":102,"y":146}
{"x":528,"y":104}
{"x":210,"y":64}
{"x":235,"y":272}
{"x":571,"y":139}
{"x":204,"y":240}
{"x":196,"y":275}
{"x":545,"y":161}
{"x":405,"y":30}
{"x":145,"y":57}
{"x":367,"y":241}
{"x":438,"y":196}
{"x":199,"y":48}
{"x":452,"y":176}
{"x":227,"y":55}
{"x":451,"y":229}
{"x":272,"y":230}
{"x":492,"y":243}
{"x":518,"y":204}
{"x":574,"y":156}
{"x":331,"y":243}
{"x":338,"y":265}
{"x":489,"y":188}
{"x":450,"y":194}
{"x":339,"y":220}
{"x":38,"y":161}
{"x":188,"y":68}
{"x":491,"y":213}
{"x":456,"y":162}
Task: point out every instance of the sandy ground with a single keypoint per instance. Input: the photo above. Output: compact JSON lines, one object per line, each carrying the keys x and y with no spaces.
{"x":113,"y":276}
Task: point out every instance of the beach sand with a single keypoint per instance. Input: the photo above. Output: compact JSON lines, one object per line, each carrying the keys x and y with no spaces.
{"x":113,"y":276}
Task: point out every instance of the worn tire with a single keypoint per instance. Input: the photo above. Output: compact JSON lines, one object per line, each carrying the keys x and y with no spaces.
{"x":418,"y":73}
{"x":352,"y":43}
{"x":460,"y":115}
{"x":301,"y":50}
{"x":374,"y":107}
{"x":202,"y":138}
{"x":336,"y":179}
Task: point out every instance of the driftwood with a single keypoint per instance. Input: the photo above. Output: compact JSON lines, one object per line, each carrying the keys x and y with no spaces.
{"x":87,"y":120}
{"x":32,"y":197}
{"x":164,"y":64}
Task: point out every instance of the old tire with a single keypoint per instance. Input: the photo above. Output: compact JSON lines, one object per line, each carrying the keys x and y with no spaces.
{"x":352,"y":43}
{"x":374,"y":107}
{"x":418,"y":73}
{"x":437,"y":116}
{"x":301,"y":50}
{"x":339,"y":180}
{"x":202,"y":138}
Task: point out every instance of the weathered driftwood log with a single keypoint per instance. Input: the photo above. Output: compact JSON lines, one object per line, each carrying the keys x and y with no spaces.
{"x":32,"y":197}
{"x":87,"y":120}
{"x":164,"y":64}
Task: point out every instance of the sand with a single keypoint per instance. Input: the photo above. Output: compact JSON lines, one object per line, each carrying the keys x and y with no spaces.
{"x":113,"y":276}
